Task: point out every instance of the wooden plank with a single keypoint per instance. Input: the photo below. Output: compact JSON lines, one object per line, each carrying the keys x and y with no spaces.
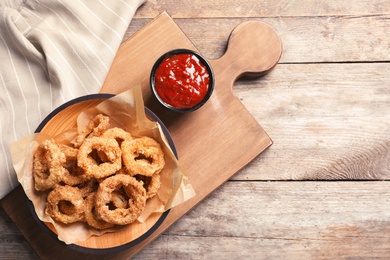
{"x":254,"y":8}
{"x":352,"y":32}
{"x":283,"y":220}
{"x":330,"y":121}
{"x":313,"y":220}
{"x":13,"y":245}
{"x":305,"y":39}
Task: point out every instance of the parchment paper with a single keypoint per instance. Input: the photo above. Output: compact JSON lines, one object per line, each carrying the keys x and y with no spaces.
{"x":125,"y":110}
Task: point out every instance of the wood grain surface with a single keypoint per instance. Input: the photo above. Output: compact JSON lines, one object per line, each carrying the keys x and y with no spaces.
{"x":197,"y":135}
{"x":321,"y":191}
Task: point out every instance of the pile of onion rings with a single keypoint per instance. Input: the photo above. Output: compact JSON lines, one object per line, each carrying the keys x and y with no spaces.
{"x":104,"y":177}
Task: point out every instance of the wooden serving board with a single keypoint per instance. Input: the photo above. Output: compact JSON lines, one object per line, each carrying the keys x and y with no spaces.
{"x":212,"y":143}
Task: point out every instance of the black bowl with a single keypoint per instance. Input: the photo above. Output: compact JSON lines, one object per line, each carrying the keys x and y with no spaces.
{"x":202,"y":60}
{"x":130,"y":243}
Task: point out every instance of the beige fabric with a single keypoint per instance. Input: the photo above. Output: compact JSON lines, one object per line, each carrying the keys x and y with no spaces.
{"x":51,"y":52}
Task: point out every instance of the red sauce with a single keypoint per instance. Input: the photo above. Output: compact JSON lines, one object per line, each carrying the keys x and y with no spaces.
{"x":181,"y":80}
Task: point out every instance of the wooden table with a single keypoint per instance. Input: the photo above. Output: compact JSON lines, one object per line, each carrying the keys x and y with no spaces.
{"x":322,"y":190}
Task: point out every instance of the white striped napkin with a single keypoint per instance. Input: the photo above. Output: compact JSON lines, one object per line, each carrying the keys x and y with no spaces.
{"x":51,"y":52}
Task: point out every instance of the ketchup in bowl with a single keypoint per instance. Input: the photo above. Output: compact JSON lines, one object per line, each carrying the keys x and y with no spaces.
{"x":182,"y":80}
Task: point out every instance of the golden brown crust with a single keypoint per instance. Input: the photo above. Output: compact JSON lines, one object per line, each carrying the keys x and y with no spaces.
{"x":73,"y":175}
{"x":74,"y":201}
{"x":87,"y":182}
{"x":118,"y":134}
{"x":47,"y":165}
{"x":136,"y":196}
{"x":143,"y":156}
{"x":92,"y":166}
{"x":151,"y":184}
{"x":96,"y":126}
{"x":91,"y":216}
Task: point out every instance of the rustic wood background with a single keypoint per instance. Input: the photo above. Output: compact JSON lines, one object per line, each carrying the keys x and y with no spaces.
{"x":322,"y":190}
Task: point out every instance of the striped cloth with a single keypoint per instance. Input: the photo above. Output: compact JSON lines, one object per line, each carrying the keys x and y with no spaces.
{"x":52,"y":51}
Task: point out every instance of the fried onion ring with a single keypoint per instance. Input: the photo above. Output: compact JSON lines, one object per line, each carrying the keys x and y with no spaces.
{"x":95,"y":127}
{"x":103,"y":177}
{"x":67,"y":208}
{"x":91,"y":216}
{"x":142,"y":156}
{"x":118,"y":200}
{"x":73,"y":174}
{"x":118,"y":134}
{"x":47,"y":165}
{"x":71,"y":197}
{"x":92,"y":166}
{"x":69,"y":151}
{"x":88,"y":187}
{"x":151,"y":184}
{"x":136,"y":199}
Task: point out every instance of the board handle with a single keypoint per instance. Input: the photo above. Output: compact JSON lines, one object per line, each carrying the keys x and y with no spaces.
{"x":253,"y":49}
